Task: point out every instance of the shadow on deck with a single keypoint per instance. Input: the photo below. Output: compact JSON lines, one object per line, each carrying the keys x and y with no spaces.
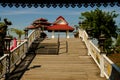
{"x":47,"y":49}
{"x":71,"y":64}
{"x":17,"y":73}
{"x":20,"y":69}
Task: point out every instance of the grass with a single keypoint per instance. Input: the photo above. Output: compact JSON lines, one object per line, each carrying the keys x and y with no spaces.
{"x":115,"y":58}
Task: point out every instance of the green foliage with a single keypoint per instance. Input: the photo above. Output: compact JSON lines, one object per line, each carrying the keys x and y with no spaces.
{"x":118,"y":41}
{"x":3,"y":31}
{"x":117,"y":45}
{"x":108,"y":45}
{"x":2,"y":24}
{"x":18,"y":32}
{"x":101,"y":21}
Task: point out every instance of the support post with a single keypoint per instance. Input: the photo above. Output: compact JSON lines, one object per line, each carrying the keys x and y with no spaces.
{"x":53,"y":34}
{"x":67,"y":34}
{"x":66,"y":47}
{"x":58,"y":43}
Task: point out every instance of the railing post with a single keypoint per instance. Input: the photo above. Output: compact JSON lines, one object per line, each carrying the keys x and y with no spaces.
{"x":88,"y":46}
{"x":89,"y":32}
{"x":7,"y":51}
{"x":102,"y":65}
{"x":26,"y":37}
{"x":7,"y":67}
{"x":26,"y":33}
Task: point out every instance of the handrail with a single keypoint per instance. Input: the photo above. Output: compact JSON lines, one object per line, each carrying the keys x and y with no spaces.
{"x":111,"y":71}
{"x":18,"y":53}
{"x":32,"y":36}
{"x":3,"y":63}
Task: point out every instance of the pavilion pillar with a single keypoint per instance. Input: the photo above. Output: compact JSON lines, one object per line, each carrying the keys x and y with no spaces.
{"x":53,"y":34}
{"x":67,"y":34}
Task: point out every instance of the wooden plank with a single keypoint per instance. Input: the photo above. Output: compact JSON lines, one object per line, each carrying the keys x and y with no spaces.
{"x":74,"y":65}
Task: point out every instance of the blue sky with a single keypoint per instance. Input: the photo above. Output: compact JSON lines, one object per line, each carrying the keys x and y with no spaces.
{"x":23,"y":17}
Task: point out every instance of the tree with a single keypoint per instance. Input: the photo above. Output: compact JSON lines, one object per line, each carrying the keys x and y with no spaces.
{"x":18,"y":32}
{"x":117,"y":44}
{"x":101,"y":22}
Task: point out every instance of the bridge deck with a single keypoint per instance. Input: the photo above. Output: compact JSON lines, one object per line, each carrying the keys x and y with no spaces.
{"x":73,"y":64}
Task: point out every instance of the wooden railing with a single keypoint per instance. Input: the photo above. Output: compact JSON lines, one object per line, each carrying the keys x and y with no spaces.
{"x":107,"y":67}
{"x":3,"y":62}
{"x":17,"y":54}
{"x":33,"y":35}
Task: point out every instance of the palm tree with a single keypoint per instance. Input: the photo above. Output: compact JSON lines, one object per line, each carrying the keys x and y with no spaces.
{"x":18,"y":32}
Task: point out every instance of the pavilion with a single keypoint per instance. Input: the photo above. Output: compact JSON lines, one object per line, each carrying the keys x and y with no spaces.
{"x":60,"y":25}
{"x":41,"y":23}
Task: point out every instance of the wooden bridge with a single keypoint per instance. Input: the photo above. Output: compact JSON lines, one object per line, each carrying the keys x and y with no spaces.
{"x":57,"y":59}
{"x":71,"y":63}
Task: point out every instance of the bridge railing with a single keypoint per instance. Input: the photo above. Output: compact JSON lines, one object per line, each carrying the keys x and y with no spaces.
{"x":33,"y":35}
{"x":107,"y":67}
{"x":3,"y":62}
{"x":17,"y":54}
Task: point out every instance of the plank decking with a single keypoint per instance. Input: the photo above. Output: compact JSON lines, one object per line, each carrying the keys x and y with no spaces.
{"x":71,"y":64}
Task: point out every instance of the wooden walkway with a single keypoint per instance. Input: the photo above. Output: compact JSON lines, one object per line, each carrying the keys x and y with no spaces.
{"x":71,"y":64}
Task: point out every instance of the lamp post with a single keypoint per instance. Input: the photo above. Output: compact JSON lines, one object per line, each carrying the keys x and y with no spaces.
{"x":80,"y":23}
{"x":7,"y":41}
{"x":26,"y":37}
{"x":101,"y":43}
{"x":89,"y":31}
{"x":76,"y":26}
{"x":76,"y":33}
{"x":102,"y":53}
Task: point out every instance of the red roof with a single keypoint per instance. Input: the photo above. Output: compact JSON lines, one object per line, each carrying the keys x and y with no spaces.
{"x":60,"y":28}
{"x":58,"y":19}
{"x":42,"y":19}
{"x":31,"y":27}
{"x":43,"y":23}
{"x":60,"y":25}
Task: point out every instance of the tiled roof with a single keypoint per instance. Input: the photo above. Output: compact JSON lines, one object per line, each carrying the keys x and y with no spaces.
{"x":31,"y":27}
{"x":60,"y":27}
{"x":60,"y":18}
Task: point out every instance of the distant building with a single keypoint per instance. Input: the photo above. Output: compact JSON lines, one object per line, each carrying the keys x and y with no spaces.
{"x":60,"y":25}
